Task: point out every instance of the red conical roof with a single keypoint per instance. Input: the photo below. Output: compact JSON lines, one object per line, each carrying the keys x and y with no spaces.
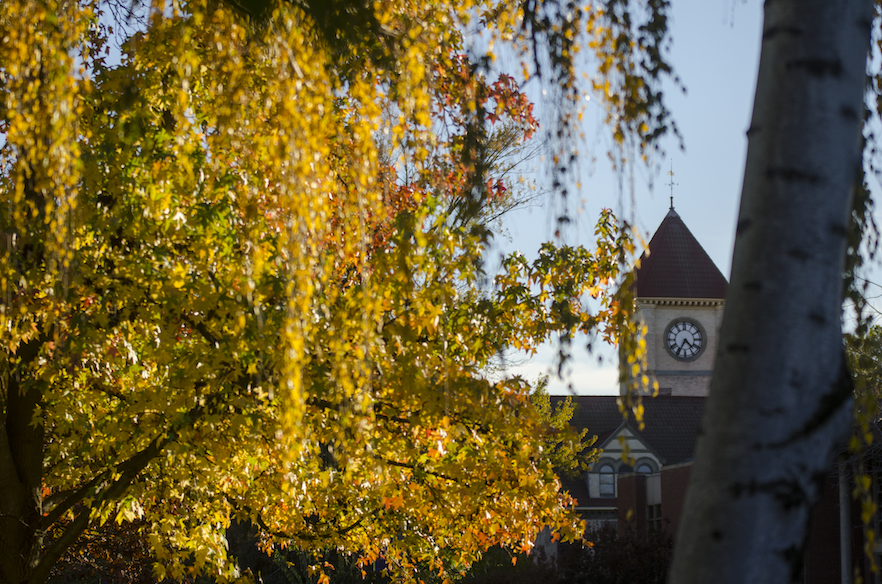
{"x":677,"y":266}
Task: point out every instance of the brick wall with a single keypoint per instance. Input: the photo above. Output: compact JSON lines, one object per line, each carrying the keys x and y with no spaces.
{"x":822,"y":551}
{"x":674,"y":484}
{"x":822,"y":559}
{"x":631,"y":490}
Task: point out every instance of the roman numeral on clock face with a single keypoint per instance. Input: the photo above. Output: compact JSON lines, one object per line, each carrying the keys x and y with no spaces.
{"x":684,"y":339}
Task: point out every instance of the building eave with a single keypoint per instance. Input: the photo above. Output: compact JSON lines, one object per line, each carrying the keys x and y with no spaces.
{"x":682,"y":301}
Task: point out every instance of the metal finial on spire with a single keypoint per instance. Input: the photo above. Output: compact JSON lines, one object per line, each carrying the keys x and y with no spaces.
{"x":672,"y":184}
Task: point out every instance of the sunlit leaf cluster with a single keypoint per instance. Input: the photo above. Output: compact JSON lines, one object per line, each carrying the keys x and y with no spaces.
{"x":242,"y":280}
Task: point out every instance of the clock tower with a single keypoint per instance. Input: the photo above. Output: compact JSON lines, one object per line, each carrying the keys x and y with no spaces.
{"x":680,"y":295}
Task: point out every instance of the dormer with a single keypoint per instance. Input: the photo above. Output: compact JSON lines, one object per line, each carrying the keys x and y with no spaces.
{"x":601,"y":477}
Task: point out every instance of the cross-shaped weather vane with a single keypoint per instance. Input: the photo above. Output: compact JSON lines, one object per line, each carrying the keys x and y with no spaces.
{"x":672,"y":184}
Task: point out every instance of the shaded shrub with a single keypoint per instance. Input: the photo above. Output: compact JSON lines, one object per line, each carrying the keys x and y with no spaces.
{"x":630,"y":559}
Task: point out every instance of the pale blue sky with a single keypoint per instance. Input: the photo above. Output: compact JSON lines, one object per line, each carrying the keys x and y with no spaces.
{"x":715,"y":52}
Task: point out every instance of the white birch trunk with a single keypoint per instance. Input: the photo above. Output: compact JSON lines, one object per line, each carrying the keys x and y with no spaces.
{"x":779,"y":406}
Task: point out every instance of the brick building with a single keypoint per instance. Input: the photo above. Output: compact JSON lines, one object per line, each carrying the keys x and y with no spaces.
{"x":680,"y":297}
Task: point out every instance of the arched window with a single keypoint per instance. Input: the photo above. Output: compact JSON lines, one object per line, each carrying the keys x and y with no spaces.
{"x":607,"y":481}
{"x":646,"y":466}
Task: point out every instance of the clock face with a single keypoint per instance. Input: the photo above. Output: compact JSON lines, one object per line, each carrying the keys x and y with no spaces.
{"x":684,"y":340}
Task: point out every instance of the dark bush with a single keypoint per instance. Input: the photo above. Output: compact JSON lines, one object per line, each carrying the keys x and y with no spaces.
{"x":630,"y":559}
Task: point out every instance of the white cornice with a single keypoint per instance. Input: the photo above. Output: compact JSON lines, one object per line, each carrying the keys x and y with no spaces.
{"x":683,"y":301}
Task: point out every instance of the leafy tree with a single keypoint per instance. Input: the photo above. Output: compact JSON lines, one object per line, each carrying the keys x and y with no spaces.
{"x":573,"y":455}
{"x":119,"y":552}
{"x":218,"y":303}
{"x":112,"y":553}
{"x":865,"y":362}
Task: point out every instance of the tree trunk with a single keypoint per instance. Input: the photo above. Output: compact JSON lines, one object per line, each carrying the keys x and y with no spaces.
{"x":21,"y":472}
{"x":780,"y":401}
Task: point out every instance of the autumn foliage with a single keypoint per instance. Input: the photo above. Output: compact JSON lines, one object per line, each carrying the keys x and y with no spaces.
{"x":241,"y":280}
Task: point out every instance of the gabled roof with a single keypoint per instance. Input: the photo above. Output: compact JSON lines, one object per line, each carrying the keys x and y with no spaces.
{"x":677,"y":266}
{"x":607,"y":438}
{"x":671,"y":427}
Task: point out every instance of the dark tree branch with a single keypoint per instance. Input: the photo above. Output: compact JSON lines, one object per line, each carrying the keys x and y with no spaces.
{"x":416,"y":468}
{"x":200,"y":327}
{"x":128,"y":470}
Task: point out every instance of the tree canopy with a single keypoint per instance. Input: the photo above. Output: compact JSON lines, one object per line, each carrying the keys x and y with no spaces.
{"x":242,"y":280}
